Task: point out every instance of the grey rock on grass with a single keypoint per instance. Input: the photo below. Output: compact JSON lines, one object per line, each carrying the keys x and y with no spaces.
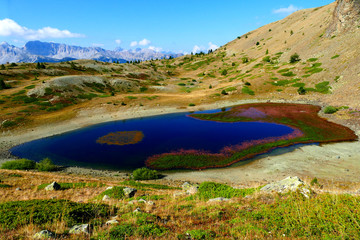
{"x":129,"y":192}
{"x":219,"y":199}
{"x":44,"y":234}
{"x":53,"y":186}
{"x":78,"y":229}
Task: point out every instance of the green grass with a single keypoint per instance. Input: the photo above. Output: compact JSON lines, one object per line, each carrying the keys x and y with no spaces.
{"x":336,"y":56}
{"x":247,"y":90}
{"x":114,"y":193}
{"x":330,"y":110}
{"x":131,"y":97}
{"x":230,"y":89}
{"x":312,"y":59}
{"x":208,"y":190}
{"x":42,"y":212}
{"x":288,"y":74}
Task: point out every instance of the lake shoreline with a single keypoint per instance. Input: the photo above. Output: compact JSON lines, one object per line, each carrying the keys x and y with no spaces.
{"x":11,"y":139}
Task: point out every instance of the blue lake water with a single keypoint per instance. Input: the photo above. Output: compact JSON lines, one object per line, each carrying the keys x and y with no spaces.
{"x":163,"y":133}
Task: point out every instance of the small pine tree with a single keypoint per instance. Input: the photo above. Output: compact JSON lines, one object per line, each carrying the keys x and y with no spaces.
{"x":3,"y":67}
{"x":2,"y":84}
{"x":267,"y":52}
{"x":224,"y":72}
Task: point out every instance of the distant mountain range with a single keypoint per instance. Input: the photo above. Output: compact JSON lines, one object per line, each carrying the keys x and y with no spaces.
{"x":36,"y":51}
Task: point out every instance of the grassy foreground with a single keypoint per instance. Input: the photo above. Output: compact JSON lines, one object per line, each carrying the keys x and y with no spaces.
{"x":308,"y":128}
{"x":166,"y":214}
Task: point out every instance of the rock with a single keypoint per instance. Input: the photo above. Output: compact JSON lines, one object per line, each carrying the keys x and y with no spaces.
{"x":106,"y":198}
{"x":77,"y":229}
{"x":53,"y":186}
{"x":44,"y":234}
{"x":109,"y":188}
{"x":132,"y":202}
{"x":289,"y":184}
{"x":150,"y":203}
{"x":18,"y":189}
{"x":190,"y":188}
{"x":129,"y":192}
{"x":142,"y":200}
{"x":137,"y":210}
{"x":112,"y":222}
{"x":219,"y":199}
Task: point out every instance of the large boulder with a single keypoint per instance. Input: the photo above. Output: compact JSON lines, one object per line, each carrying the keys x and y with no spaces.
{"x":53,"y":186}
{"x":289,"y":184}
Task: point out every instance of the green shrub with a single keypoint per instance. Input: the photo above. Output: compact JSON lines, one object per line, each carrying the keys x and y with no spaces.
{"x":223,"y":92}
{"x":139,"y":185}
{"x":266,"y":59}
{"x":8,"y":123}
{"x":294,"y":58}
{"x":2,"y":185}
{"x":245,"y":60}
{"x":64,"y":186}
{"x":151,"y":229}
{"x":208,"y":190}
{"x":20,"y":164}
{"x":46,"y":165}
{"x":301,"y":90}
{"x":330,"y":110}
{"x":224,"y":72}
{"x":314,"y":182}
{"x":145,"y":174}
{"x":191,"y":104}
{"x":122,"y":231}
{"x":288,"y":74}
{"x":200,"y":234}
{"x":42,"y":212}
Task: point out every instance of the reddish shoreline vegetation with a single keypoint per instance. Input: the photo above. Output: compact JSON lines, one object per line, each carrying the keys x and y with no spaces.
{"x":121,"y":138}
{"x":308,"y":128}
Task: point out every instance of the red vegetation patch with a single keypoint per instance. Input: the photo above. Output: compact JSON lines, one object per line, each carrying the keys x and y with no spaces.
{"x":121,"y":138}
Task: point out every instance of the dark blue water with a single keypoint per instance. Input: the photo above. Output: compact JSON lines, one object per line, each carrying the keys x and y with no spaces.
{"x":161,"y":134}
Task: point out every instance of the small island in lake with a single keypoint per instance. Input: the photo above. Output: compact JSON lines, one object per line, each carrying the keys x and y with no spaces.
{"x":121,"y":138}
{"x":308,"y":128}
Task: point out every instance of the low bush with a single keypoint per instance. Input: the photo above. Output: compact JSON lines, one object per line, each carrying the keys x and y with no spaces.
{"x":151,"y":229}
{"x":145,"y":174}
{"x":294,"y":58}
{"x":122,"y":231}
{"x":42,"y":212}
{"x":64,"y":186}
{"x":46,"y":165}
{"x":20,"y":164}
{"x":330,"y":110}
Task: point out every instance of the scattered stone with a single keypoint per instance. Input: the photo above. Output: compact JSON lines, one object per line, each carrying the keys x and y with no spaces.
{"x":289,"y":184}
{"x":132,"y":202}
{"x":112,"y":222}
{"x":150,"y":203}
{"x":219,"y":199}
{"x":44,"y":234}
{"x":190,"y":188}
{"x":53,"y":186}
{"x":18,"y":189}
{"x":129,"y":192}
{"x":106,"y":198}
{"x":137,"y":210}
{"x":108,"y":188}
{"x":77,"y":229}
{"x":142,"y":200}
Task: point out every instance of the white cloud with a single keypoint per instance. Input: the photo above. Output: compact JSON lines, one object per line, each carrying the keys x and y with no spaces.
{"x":133,"y":44}
{"x":118,"y":41}
{"x":97,"y":45}
{"x":290,"y":9}
{"x":156,"y":49}
{"x":9,"y":27}
{"x":212,"y":46}
{"x":144,"y":42}
{"x":198,"y":49}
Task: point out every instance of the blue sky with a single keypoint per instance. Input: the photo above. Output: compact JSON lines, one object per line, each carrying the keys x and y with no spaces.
{"x":177,"y":25}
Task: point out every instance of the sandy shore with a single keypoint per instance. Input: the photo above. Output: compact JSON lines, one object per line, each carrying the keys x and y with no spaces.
{"x":337,"y":161}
